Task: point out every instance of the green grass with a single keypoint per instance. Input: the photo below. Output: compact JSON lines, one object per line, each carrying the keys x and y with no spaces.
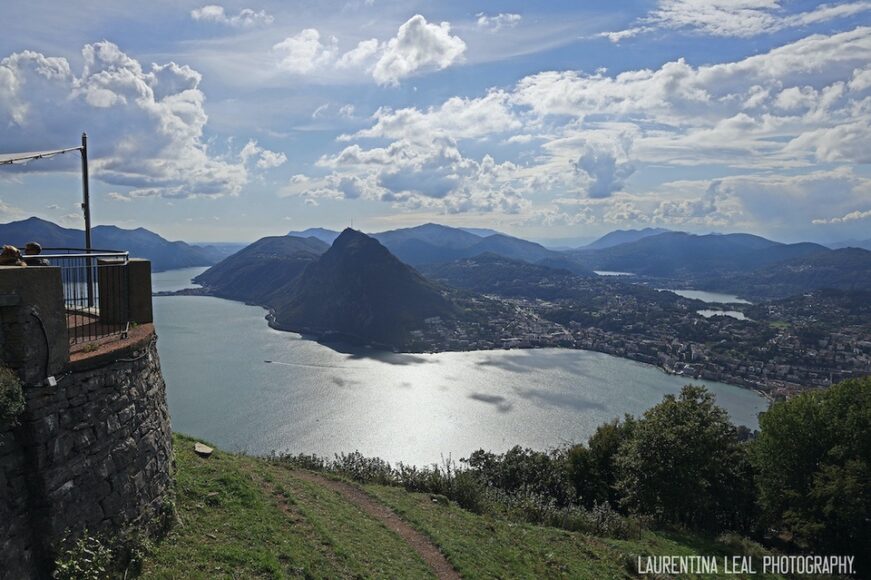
{"x":244,"y":517}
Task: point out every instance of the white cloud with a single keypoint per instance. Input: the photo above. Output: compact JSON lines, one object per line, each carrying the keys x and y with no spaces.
{"x":116,"y":196}
{"x":304,"y":52}
{"x":145,"y":125}
{"x":456,"y":118}
{"x":266,"y":159}
{"x":244,"y":19}
{"x":852,"y":216}
{"x":733,"y":18}
{"x":418,"y":45}
{"x":766,"y":122}
{"x":363,"y":55}
{"x":497,"y":22}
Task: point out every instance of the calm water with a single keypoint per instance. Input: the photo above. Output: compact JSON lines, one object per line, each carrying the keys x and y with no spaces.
{"x":730,"y":313}
{"x":711,"y":297}
{"x":413,"y":408}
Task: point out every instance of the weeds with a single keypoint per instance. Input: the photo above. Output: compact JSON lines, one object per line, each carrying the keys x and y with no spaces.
{"x":522,"y":485}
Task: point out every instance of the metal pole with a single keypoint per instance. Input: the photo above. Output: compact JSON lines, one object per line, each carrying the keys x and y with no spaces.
{"x":86,"y":207}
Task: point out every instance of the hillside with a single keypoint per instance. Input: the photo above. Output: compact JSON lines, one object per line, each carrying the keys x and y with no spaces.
{"x":359,"y":290}
{"x":244,"y":517}
{"x":141,"y":243}
{"x":845,"y":269}
{"x":257,"y":271}
{"x":678,"y":254}
{"x":493,"y":274}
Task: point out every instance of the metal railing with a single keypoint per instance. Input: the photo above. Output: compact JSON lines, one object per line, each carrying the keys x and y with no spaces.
{"x":96,"y":293}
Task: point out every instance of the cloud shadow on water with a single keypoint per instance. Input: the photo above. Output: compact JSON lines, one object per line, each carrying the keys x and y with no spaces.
{"x":501,"y":403}
{"x":355,"y":352}
{"x":561,"y":400}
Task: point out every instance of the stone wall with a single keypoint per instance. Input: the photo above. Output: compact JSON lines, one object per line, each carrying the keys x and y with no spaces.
{"x":93,"y":453}
{"x":17,"y":558}
{"x":93,"y":448}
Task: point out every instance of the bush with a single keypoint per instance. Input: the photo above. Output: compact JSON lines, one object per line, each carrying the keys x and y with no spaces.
{"x":525,"y":471}
{"x":11,"y":397}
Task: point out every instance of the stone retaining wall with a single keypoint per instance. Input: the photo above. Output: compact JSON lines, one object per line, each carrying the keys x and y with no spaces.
{"x":92,"y":452}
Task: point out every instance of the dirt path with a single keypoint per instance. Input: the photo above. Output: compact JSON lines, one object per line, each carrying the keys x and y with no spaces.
{"x":420,"y":543}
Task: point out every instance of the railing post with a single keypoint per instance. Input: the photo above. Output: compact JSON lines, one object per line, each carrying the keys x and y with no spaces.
{"x":86,"y":208}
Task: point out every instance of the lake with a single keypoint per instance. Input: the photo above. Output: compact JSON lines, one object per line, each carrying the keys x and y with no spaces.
{"x":410,"y":407}
{"x":730,"y":313}
{"x":712,"y":297}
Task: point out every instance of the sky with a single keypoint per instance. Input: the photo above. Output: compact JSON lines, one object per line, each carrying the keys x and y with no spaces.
{"x":546,"y":120}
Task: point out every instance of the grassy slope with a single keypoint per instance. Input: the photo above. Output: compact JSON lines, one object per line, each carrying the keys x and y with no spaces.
{"x":243,"y":517}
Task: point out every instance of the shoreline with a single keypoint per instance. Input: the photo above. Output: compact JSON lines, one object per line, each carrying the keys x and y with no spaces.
{"x":329,"y":337}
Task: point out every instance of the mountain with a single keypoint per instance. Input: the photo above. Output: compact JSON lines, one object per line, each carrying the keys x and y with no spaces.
{"x":323,"y":234}
{"x":359,"y":290}
{"x":618,"y":237}
{"x":434,"y":243}
{"x":679,"y":254}
{"x":141,"y":243}
{"x":845,"y":269}
{"x":435,"y":234}
{"x":493,"y":274}
{"x":255,"y":273}
{"x":481,"y":232}
{"x":862,"y":244}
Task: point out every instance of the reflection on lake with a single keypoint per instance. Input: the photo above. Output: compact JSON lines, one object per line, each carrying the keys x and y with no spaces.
{"x":175,"y":279}
{"x":730,"y":313}
{"x":610,"y":273}
{"x":712,"y":297}
{"x":410,"y":407}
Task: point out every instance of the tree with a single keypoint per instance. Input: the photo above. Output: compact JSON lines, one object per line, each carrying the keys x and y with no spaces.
{"x":683,"y":464}
{"x":813,"y":463}
{"x":592,"y":468}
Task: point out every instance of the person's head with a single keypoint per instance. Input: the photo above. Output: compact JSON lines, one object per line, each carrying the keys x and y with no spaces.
{"x":32,"y":249}
{"x":10,"y":256}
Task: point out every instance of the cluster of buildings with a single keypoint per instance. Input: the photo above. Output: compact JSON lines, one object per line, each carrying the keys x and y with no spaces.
{"x":780,"y":348}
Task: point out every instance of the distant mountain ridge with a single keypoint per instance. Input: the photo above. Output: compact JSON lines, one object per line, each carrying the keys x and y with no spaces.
{"x":323,"y":234}
{"x":679,"y":254}
{"x":141,"y":243}
{"x":618,"y":237}
{"x":861,"y":244}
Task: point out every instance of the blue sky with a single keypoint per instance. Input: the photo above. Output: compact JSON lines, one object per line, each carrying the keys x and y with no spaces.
{"x":227,"y":122}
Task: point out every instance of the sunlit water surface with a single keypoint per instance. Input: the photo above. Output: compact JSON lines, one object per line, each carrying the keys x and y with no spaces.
{"x":408,"y":407}
{"x":711,"y":297}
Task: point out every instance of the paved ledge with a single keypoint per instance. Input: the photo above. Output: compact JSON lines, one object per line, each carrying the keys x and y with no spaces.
{"x":106,"y":350}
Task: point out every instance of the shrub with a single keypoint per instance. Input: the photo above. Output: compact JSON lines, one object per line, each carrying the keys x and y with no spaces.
{"x":11,"y":397}
{"x":96,"y":557}
{"x":86,"y":558}
{"x":525,"y":471}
